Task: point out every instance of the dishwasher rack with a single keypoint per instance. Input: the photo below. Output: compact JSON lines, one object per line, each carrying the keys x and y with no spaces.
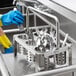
{"x":56,"y":27}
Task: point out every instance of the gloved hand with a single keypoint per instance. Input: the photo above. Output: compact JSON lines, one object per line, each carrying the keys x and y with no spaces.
{"x":9,"y":50}
{"x":12,"y":17}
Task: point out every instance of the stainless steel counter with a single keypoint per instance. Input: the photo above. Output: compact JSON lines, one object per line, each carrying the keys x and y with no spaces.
{"x":60,"y":8}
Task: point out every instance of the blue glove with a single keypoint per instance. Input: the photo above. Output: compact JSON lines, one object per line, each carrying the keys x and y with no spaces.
{"x":9,"y":50}
{"x":12,"y":17}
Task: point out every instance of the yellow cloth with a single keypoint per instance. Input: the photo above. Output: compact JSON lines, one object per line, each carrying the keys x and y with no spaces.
{"x":5,"y":41}
{"x":0,"y":21}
